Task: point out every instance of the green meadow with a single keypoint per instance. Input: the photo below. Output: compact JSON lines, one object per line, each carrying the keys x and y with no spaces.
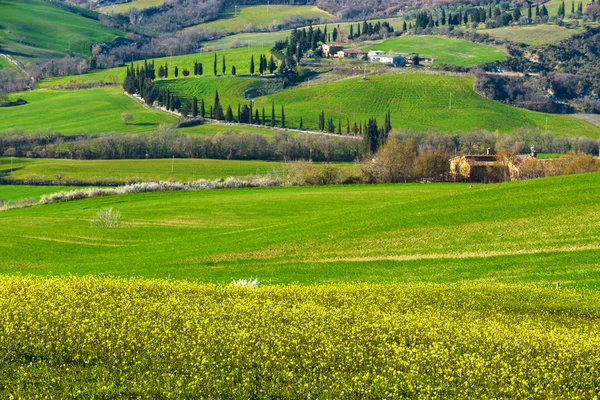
{"x":416,"y":101}
{"x":260,"y":17}
{"x":14,"y":193}
{"x":124,"y":170}
{"x":124,"y":7}
{"x":44,"y":26}
{"x":238,"y":57}
{"x":536,"y":232}
{"x":81,"y":111}
{"x":534,"y":35}
{"x":445,"y":50}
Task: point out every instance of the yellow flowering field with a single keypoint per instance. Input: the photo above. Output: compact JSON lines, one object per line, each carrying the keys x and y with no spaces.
{"x":91,"y":337}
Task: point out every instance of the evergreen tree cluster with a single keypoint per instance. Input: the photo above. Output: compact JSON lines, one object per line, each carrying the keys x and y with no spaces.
{"x":140,"y":80}
{"x":367,"y":29}
{"x":374,"y":136}
{"x":198,"y":70}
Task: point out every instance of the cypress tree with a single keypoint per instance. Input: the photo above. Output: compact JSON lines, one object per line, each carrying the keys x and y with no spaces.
{"x":200,"y":71}
{"x":252,"y":65}
{"x":239,"y":117}
{"x":211,"y":112}
{"x":202,"y":109}
{"x":233,"y":70}
{"x":215,"y":65}
{"x":176,"y":72}
{"x":195,"y":107}
{"x":301,"y":117}
{"x":218,"y":110}
{"x":229,"y":114}
{"x":256,"y":117}
{"x":272,"y":114}
{"x":224,"y":68}
{"x":339,"y":130}
{"x":529,"y":13}
{"x":263,"y":117}
{"x":282,"y":117}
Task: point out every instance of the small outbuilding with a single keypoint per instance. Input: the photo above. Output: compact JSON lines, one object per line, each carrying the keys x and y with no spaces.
{"x":352,"y":54}
{"x":486,"y":168}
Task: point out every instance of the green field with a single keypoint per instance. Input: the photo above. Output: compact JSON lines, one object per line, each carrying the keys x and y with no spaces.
{"x":231,"y":90}
{"x":124,"y":7}
{"x":552,"y":6}
{"x":446,"y":51}
{"x":14,"y":193}
{"x":122,"y":170}
{"x":238,"y":57}
{"x":4,"y":63}
{"x":81,"y":111}
{"x":260,"y":17}
{"x":416,"y":101}
{"x":262,"y":38}
{"x":46,"y":27}
{"x":538,"y":231}
{"x":109,"y":338}
{"x":215,"y":128}
{"x":534,"y":35}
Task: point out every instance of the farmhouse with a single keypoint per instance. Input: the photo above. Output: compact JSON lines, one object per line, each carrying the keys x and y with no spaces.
{"x":352,"y":54}
{"x":487,"y":168}
{"x":395,"y":60}
{"x":331,"y":50}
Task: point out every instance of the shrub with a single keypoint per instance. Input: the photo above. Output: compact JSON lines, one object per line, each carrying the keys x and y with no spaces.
{"x":107,"y":218}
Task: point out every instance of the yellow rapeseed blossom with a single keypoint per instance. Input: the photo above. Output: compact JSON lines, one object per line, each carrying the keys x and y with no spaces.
{"x":101,"y":337}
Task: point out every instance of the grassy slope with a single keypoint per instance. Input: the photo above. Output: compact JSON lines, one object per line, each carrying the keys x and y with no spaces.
{"x":50,"y":28}
{"x":238,"y":57}
{"x":83,"y":111}
{"x":17,"y":192}
{"x":534,"y":35}
{"x":261,"y":38}
{"x":537,"y":231}
{"x":416,"y":102}
{"x":445,"y":50}
{"x":215,"y":128}
{"x":260,"y":17}
{"x":124,"y":7}
{"x":120,"y":170}
{"x":4,"y":63}
{"x":231,"y":90}
{"x":552,"y":6}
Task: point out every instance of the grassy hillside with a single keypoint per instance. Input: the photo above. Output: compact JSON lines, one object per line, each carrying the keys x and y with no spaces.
{"x":238,"y":57}
{"x":121,"y":170}
{"x":82,"y":111}
{"x":534,"y":35}
{"x":231,"y":90}
{"x":14,"y":193}
{"x":416,"y":101}
{"x":108,"y":338}
{"x":41,"y":25}
{"x":124,"y":7}
{"x":260,"y":17}
{"x":445,"y":50}
{"x":538,"y":231}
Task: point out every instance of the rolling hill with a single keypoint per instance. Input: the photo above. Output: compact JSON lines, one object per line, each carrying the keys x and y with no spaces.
{"x":408,"y":233}
{"x":445,"y":50}
{"x":261,"y":17}
{"x":41,"y":26}
{"x":82,"y":111}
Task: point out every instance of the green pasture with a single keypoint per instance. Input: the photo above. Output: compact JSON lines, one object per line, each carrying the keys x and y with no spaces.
{"x":41,"y":25}
{"x":125,"y":170}
{"x":27,"y":55}
{"x":553,"y":5}
{"x":537,"y":231}
{"x":124,"y":7}
{"x":269,"y":38}
{"x":238,"y":57}
{"x":534,"y":35}
{"x":4,"y":63}
{"x":260,"y":17}
{"x":15,"y":193}
{"x":231,"y":89}
{"x":445,"y":50}
{"x":80,"y":111}
{"x":416,"y":101}
{"x":208,"y":129}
